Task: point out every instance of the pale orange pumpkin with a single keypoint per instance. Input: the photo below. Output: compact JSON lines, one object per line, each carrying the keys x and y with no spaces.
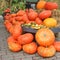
{"x":45,"y":37}
{"x":46,"y":51}
{"x":40,"y":4}
{"x":30,"y":48}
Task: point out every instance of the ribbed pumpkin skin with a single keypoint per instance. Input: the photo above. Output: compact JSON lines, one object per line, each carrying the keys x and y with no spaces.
{"x":30,"y":48}
{"x":45,"y":37}
{"x":46,"y":51}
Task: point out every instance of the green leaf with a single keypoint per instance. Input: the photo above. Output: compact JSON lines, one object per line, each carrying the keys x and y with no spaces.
{"x":15,"y":1}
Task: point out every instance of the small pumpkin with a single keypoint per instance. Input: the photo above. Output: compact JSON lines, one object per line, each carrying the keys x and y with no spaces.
{"x":17,"y":31}
{"x":18,"y":18}
{"x":50,"y":22}
{"x":13,"y":15}
{"x":30,"y":48}
{"x":7,"y":24}
{"x":40,"y":4}
{"x":13,"y":45}
{"x":45,"y":37}
{"x":10,"y":39}
{"x":57,"y":45}
{"x":45,"y":14}
{"x":25,"y":38}
{"x":38,"y":21}
{"x":20,"y":13}
{"x":46,"y":51}
{"x":32,"y":15}
{"x":25,"y":18}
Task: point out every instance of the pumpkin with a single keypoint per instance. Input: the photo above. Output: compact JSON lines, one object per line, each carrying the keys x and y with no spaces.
{"x":50,"y":22}
{"x":30,"y":48}
{"x":45,"y":14}
{"x":11,"y":39}
{"x":12,"y":19}
{"x":45,"y":37}
{"x":13,"y":15}
{"x":38,"y":21}
{"x":7,"y":24}
{"x":46,"y":51}
{"x":17,"y":31}
{"x":25,"y":18}
{"x":13,"y":45}
{"x":25,"y":38}
{"x":57,"y":45}
{"x":7,"y":10}
{"x":32,"y":15}
{"x":51,"y":5}
{"x":26,"y":10}
{"x":6,"y":17}
{"x":40,"y":4}
{"x":18,"y":18}
{"x":20,"y":13}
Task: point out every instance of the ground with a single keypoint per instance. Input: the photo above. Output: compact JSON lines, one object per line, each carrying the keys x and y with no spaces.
{"x":6,"y":54}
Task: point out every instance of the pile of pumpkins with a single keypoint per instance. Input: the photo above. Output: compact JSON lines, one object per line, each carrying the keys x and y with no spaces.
{"x":43,"y":42}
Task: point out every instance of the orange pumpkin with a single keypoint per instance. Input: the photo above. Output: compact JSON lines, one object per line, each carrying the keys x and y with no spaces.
{"x":17,"y":31}
{"x":25,"y":38}
{"x":13,"y":15}
{"x":7,"y":24}
{"x":45,"y":14}
{"x":11,"y":39}
{"x":13,"y":45}
{"x":46,"y":51}
{"x":30,"y":48}
{"x":18,"y":18}
{"x":51,"y":5}
{"x":57,"y":45}
{"x":38,"y":21}
{"x":25,"y":18}
{"x":20,"y":13}
{"x":45,"y":37}
{"x":40,"y":4}
{"x":32,"y":15}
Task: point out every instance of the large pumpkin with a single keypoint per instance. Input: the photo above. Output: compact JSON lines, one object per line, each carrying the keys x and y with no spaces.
{"x":45,"y":37}
{"x":57,"y":45}
{"x":46,"y":51}
{"x":30,"y":48}
{"x":40,"y":4}
{"x":25,"y":38}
